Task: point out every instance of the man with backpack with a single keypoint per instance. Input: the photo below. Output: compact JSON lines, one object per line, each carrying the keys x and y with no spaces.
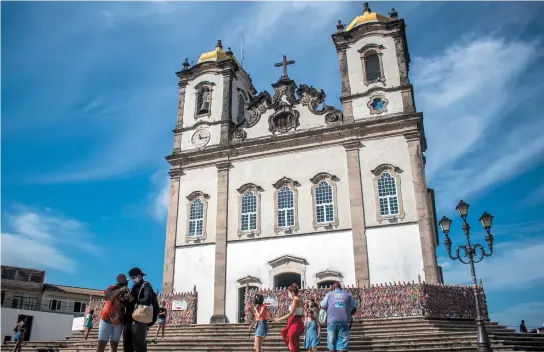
{"x":111,"y":317}
{"x":339,"y":306}
{"x":139,"y":315}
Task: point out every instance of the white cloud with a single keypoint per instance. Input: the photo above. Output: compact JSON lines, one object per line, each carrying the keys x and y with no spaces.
{"x":536,"y":196}
{"x":44,"y":240}
{"x":511,"y":267}
{"x":466,"y":93}
{"x":262,"y":21}
{"x":158,"y":198}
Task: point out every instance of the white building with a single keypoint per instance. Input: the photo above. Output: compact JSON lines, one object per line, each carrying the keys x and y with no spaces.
{"x":271,"y":189}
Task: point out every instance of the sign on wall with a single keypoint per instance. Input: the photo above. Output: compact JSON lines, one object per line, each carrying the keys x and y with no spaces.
{"x":179,"y":305}
{"x":270,"y":301}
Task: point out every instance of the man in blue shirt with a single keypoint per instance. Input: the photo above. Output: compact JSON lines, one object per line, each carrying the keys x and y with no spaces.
{"x":340,"y":306}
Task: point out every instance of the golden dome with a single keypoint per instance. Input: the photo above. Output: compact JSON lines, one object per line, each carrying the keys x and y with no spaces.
{"x":216,"y":55}
{"x":366,"y":17}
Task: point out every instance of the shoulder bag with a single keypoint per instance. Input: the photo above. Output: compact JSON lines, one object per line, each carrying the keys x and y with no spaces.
{"x":142,"y":313}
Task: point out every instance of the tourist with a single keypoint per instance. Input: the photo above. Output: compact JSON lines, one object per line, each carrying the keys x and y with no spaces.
{"x":20,"y":330}
{"x":522,"y":327}
{"x":110,"y":326}
{"x":312,"y":307}
{"x":161,"y":320}
{"x":261,"y":327}
{"x":313,"y":331}
{"x":88,"y":322}
{"x":295,"y":326}
{"x":340,"y":306}
{"x":135,"y":332}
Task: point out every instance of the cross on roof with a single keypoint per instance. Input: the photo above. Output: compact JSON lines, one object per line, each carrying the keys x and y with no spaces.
{"x":284,"y":64}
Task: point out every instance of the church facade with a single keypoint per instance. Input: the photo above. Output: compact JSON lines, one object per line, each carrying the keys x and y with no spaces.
{"x":267,"y":189}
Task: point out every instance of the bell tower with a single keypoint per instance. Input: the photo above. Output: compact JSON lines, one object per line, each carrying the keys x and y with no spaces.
{"x":213,"y":96}
{"x":374,"y":63}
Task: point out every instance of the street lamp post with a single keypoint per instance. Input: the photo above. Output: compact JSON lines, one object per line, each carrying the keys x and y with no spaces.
{"x":471,"y":254}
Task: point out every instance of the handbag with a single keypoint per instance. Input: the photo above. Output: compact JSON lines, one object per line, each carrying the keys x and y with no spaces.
{"x":143,"y":313}
{"x":323,"y":317}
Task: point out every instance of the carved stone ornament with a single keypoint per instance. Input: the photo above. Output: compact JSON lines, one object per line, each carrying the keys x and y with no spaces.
{"x":283,"y":120}
{"x":239,"y":135}
{"x":285,"y":95}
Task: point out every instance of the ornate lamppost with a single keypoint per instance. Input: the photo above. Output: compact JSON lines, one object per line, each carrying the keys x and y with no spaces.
{"x":471,"y":254}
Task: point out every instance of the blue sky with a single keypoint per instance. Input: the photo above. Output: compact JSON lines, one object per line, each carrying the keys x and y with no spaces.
{"x":89,"y":101}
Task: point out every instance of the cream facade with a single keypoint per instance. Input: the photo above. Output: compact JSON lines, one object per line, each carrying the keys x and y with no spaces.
{"x":273,"y":188}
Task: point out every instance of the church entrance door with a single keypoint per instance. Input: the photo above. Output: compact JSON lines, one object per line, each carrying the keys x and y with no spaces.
{"x":241,"y":304}
{"x":287,"y":279}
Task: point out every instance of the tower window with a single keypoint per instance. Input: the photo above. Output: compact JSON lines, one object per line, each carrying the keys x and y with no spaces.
{"x":372,"y":67}
{"x":203,"y":103}
{"x":378,"y":104}
{"x":203,"y":99}
{"x":241,"y":107}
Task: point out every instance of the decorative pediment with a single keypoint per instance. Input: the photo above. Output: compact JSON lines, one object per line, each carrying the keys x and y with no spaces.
{"x":197,"y":194}
{"x":287,"y":95}
{"x":328,"y":274}
{"x":323,"y":176}
{"x":287,"y":259}
{"x":249,"y":280}
{"x":383,"y":167}
{"x":285,"y":180}
{"x":248,"y":186}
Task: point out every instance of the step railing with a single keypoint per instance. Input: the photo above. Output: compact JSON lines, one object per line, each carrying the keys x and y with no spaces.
{"x":391,"y":300}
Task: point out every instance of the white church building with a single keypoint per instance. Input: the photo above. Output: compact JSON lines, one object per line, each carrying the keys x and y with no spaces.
{"x":267,"y":189}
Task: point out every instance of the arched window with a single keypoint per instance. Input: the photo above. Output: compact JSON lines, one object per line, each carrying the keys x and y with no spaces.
{"x":203,"y":101}
{"x":324,"y":200}
{"x":249,"y":211}
{"x":324,"y":206}
{"x":196,"y":218}
{"x":371,"y":59}
{"x":387,"y":195}
{"x":286,"y":208}
{"x":372,"y":67}
{"x":241,"y":107}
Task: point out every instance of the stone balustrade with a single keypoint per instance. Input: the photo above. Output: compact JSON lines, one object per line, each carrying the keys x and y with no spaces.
{"x":392,"y":300}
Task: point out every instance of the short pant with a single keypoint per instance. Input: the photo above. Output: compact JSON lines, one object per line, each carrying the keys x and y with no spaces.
{"x":262,"y":328}
{"x":338,"y":336}
{"x":109,"y":332}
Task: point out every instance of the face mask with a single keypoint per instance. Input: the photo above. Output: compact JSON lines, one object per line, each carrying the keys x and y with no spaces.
{"x":136,"y":280}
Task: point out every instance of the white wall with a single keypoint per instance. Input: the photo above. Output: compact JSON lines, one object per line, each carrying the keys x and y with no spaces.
{"x":196,"y":266}
{"x":389,"y":60}
{"x":333,"y":251}
{"x":45,"y":326}
{"x":394,"y":151}
{"x":394,"y":253}
{"x":300,"y":167}
{"x":203,"y":180}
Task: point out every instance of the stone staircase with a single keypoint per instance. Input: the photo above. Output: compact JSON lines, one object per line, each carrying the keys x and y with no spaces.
{"x":403,"y":334}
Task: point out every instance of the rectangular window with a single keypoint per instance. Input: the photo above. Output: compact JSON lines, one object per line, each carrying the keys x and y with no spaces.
{"x":3,"y":296}
{"x":8,"y":274}
{"x":79,"y":307}
{"x":22,"y":302}
{"x":55,"y":304}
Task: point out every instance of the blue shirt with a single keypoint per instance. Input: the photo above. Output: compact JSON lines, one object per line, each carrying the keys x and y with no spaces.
{"x":339,"y":305}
